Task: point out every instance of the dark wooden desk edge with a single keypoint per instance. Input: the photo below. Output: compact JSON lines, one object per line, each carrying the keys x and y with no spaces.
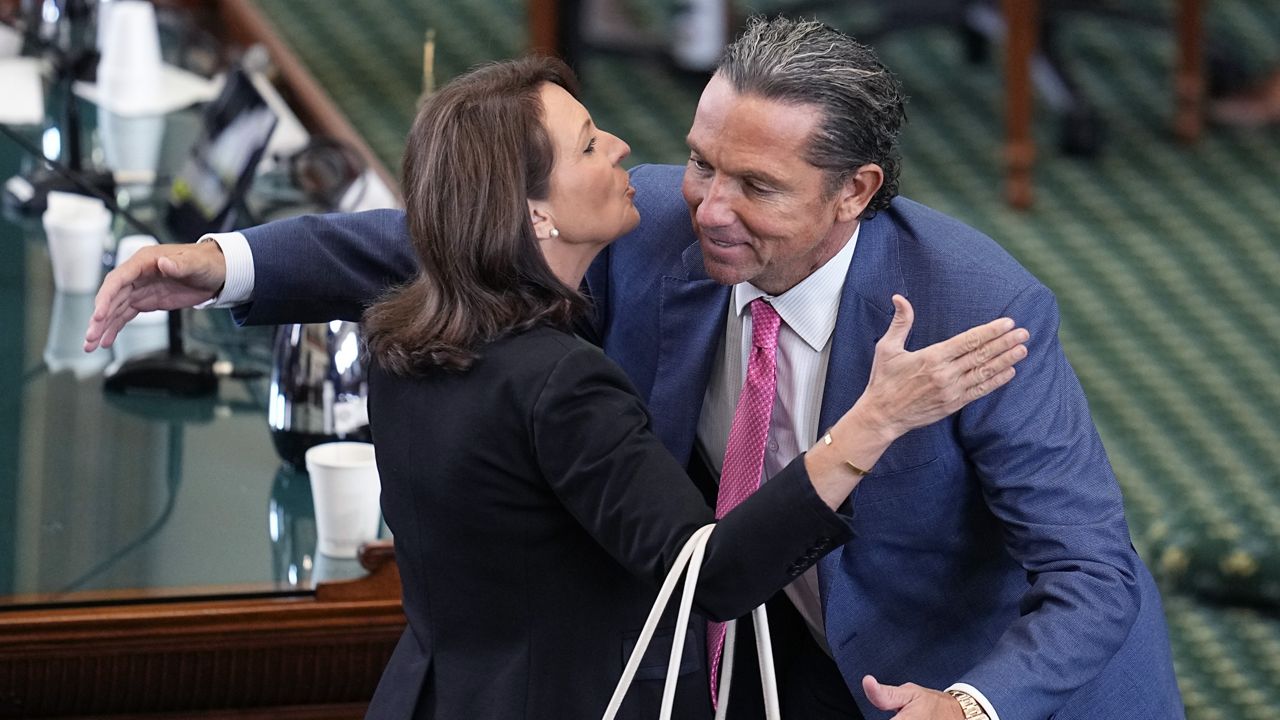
{"x":245,"y":24}
{"x":317,"y":656}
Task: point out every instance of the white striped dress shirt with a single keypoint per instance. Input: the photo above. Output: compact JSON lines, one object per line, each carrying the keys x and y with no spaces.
{"x":808,"y":313}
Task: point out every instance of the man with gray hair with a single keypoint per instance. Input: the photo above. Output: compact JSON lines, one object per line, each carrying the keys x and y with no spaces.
{"x":991,"y":573}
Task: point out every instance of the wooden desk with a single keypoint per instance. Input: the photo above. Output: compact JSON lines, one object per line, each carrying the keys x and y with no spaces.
{"x":310,"y":655}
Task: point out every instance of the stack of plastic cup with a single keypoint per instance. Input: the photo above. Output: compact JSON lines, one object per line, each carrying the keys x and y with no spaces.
{"x":77,"y":228}
{"x":130,"y":68}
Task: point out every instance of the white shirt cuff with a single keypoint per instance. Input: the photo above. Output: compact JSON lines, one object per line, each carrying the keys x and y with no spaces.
{"x":976,"y":694}
{"x":238,"y":288}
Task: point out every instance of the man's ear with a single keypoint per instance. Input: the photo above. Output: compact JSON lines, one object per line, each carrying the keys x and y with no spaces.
{"x":540,"y":216}
{"x":857,"y":191}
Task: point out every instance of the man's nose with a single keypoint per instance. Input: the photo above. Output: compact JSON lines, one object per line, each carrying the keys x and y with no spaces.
{"x":715,"y":209}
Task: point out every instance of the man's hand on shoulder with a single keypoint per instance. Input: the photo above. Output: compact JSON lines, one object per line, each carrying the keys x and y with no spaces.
{"x":161,"y":277}
{"x":911,"y":701}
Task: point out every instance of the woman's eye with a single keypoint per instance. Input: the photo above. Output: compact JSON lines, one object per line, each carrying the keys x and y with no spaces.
{"x":591,"y":146}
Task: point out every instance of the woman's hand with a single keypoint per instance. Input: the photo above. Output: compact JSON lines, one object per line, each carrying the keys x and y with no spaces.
{"x":908,"y":390}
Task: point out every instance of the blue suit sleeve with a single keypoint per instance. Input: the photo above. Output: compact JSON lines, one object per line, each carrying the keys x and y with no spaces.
{"x":1047,"y":479}
{"x":317,"y":268}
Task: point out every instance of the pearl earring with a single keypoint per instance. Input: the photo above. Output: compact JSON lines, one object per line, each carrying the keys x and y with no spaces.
{"x":555,"y":233}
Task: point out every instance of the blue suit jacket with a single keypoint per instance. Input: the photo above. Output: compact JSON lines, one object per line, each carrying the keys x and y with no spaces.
{"x":990,"y":548}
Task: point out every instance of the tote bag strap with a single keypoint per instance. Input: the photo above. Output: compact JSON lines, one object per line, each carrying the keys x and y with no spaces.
{"x":768,"y":674}
{"x":690,"y":560}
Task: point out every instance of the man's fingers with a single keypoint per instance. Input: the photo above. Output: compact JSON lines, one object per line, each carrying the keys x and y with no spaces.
{"x":886,"y":697}
{"x":113,"y":288}
{"x":900,"y":327}
{"x":113,"y":301}
{"x":118,"y":321}
{"x":102,"y":333}
{"x":106,"y":310}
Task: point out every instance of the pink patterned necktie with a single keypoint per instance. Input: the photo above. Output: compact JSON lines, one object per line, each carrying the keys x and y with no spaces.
{"x":744,"y":453}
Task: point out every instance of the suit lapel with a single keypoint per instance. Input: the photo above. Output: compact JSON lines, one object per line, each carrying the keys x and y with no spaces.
{"x":866,"y":308}
{"x":691,"y":321}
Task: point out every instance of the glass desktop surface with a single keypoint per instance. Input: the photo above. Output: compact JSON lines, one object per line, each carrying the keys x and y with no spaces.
{"x":111,"y":499}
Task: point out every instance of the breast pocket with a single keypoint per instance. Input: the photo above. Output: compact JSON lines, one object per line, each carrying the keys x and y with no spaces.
{"x":907,"y":497}
{"x":909,"y":465}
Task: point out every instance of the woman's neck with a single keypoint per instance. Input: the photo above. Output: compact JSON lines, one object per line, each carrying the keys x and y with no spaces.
{"x":569,"y":261}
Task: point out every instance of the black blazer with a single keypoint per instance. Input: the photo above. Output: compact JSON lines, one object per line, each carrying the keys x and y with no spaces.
{"x":535,"y":516}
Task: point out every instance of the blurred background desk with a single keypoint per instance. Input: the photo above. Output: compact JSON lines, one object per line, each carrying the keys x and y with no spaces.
{"x":156,"y":556}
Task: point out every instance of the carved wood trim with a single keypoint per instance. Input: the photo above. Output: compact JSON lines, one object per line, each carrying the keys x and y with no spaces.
{"x":212,"y":656}
{"x":173,"y":657}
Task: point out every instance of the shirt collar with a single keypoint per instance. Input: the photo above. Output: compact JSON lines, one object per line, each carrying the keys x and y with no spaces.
{"x":810,"y":308}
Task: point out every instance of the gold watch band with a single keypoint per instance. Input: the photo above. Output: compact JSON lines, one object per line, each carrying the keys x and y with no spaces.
{"x":972,"y":710}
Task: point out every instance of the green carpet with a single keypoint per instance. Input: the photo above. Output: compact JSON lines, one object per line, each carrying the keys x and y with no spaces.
{"x":1165,"y":259}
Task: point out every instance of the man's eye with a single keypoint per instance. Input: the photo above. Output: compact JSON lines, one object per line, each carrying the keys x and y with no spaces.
{"x":699,"y":163}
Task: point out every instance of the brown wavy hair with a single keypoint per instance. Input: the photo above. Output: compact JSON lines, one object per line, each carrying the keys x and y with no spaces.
{"x":477,"y":152}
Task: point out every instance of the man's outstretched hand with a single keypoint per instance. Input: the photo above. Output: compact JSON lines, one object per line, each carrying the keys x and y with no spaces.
{"x":160,"y":277}
{"x":912,"y":701}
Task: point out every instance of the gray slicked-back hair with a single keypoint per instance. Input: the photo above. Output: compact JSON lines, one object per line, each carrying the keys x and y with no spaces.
{"x":807,"y":62}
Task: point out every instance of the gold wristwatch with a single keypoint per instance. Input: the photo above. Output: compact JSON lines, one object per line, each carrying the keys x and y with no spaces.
{"x":972,"y":710}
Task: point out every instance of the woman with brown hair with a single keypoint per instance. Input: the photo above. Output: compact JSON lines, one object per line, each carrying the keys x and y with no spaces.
{"x":534,"y":512}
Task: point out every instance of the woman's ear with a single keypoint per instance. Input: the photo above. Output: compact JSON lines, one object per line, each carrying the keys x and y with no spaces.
{"x":544,"y":226}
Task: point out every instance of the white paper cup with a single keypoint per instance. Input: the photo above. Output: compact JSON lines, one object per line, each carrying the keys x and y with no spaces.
{"x":327,"y":568}
{"x":131,"y":145}
{"x":77,"y":228}
{"x":130,"y":68}
{"x":345,"y":488}
{"x":125,"y":248}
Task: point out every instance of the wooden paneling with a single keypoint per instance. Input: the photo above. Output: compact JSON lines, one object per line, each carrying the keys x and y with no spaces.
{"x":318,"y":656}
